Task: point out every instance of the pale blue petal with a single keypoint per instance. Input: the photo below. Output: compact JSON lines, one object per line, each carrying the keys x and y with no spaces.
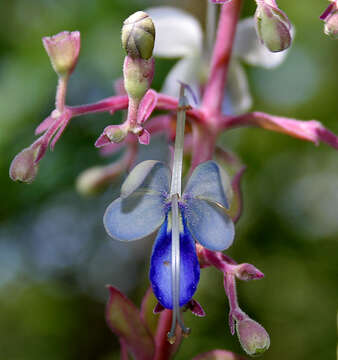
{"x":209,"y":182}
{"x":135,"y":217}
{"x":209,"y":224}
{"x":160,"y":267}
{"x":149,"y":176}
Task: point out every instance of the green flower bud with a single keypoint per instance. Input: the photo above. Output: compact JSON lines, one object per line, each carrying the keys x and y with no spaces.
{"x":138,"y":35}
{"x":138,"y":75}
{"x":273,"y":27}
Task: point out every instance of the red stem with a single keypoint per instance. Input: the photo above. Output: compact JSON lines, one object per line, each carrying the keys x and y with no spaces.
{"x":163,"y":351}
{"x":214,"y":90}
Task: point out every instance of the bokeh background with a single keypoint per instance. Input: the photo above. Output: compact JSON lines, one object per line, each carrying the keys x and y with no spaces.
{"x":55,"y":258}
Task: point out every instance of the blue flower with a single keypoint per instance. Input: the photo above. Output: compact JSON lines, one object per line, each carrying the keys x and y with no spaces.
{"x":145,"y":205}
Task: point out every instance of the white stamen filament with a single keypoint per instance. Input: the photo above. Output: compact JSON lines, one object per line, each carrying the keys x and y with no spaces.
{"x":175,"y":193}
{"x":176,"y":187}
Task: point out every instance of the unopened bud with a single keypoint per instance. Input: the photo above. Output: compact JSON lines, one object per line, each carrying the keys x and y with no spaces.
{"x":112,"y":134}
{"x":138,"y":35}
{"x":273,"y":26}
{"x":330,"y":17}
{"x":331,"y":26}
{"x":23,"y":167}
{"x":138,"y":75}
{"x":252,"y":336}
{"x":91,"y":181}
{"x":247,"y":272}
{"x":116,"y":134}
{"x":63,"y":50}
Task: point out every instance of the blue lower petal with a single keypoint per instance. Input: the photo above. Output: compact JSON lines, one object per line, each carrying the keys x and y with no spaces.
{"x":160,"y":266}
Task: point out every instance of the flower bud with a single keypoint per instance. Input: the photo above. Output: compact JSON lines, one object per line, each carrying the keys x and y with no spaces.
{"x":96,"y":179}
{"x":90,"y":181}
{"x":24,"y":167}
{"x":273,"y":26}
{"x":252,"y":336}
{"x":247,"y":272}
{"x":331,"y":26}
{"x":138,"y":75}
{"x":138,"y":35}
{"x":112,"y":134}
{"x":330,"y":17}
{"x":63,"y":50}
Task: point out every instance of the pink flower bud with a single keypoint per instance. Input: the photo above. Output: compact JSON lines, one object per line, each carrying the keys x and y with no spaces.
{"x":247,"y":272}
{"x":252,"y":336}
{"x":24,"y":166}
{"x":273,"y":26}
{"x":63,"y":50}
{"x":330,"y":17}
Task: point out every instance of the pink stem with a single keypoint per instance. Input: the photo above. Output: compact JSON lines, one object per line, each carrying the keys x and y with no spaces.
{"x":214,"y":90}
{"x":112,"y":103}
{"x":132,"y":112}
{"x":61,"y":91}
{"x":115,"y":103}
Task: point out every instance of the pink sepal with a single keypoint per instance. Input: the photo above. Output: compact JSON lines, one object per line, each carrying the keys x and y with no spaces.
{"x":102,"y":140}
{"x":158,"y":308}
{"x":144,"y":137}
{"x":310,"y":130}
{"x":327,"y":11}
{"x":44,"y":125}
{"x":62,"y":124}
{"x":196,"y":308}
{"x":147,"y":106}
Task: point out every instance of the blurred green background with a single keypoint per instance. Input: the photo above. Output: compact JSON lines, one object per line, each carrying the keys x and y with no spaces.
{"x":55,"y":257}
